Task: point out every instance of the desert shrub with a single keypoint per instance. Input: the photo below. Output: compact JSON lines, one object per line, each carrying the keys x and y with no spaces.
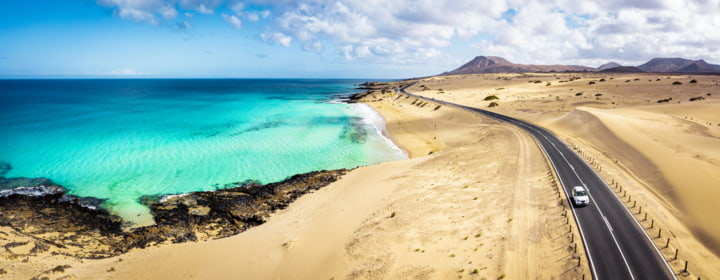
{"x":579,"y":94}
{"x":598,"y":94}
{"x":438,"y":107}
{"x":677,"y":83}
{"x":591,"y":82}
{"x":699,"y":98}
{"x":491,"y":97}
{"x":693,"y":81}
{"x":627,"y":81}
{"x":500,"y":88}
{"x":664,"y":100}
{"x":548,"y":84}
{"x":636,"y":79}
{"x":537,"y":81}
{"x":602,"y":80}
{"x":493,"y":104}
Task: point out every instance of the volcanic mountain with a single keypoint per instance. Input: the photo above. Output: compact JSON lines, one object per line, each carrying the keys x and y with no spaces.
{"x":494,"y":64}
{"x":679,"y":65}
{"x":608,"y":65}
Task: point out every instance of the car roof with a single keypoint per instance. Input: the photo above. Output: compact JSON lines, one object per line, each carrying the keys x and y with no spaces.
{"x":578,"y":188}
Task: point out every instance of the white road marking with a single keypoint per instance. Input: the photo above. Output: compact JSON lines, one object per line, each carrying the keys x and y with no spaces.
{"x":607,"y":223}
{"x":552,"y":162}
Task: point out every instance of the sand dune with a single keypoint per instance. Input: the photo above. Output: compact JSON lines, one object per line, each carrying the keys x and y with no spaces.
{"x":670,"y":148}
{"x":666,"y":153}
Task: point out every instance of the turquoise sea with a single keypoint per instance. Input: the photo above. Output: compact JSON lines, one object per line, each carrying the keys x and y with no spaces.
{"x":122,"y":139}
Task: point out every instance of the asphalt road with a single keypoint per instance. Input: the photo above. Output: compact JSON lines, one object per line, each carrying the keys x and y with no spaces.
{"x":616,"y":244}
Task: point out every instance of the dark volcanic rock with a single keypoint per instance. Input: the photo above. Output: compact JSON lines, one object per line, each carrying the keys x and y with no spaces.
{"x":14,"y":183}
{"x":69,"y":225}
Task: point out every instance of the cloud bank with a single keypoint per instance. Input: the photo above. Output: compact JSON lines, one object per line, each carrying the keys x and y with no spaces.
{"x":418,"y":31}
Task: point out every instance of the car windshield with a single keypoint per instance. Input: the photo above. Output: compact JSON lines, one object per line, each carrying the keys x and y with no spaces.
{"x":581,"y":193}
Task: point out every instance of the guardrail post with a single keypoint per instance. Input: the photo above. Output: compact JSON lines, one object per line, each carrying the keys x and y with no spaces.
{"x":640,"y":210}
{"x":659,"y":232}
{"x":676,"y":252}
{"x":652,"y":224}
{"x":685,"y":269}
{"x":580,"y":258}
{"x":634,"y":203}
{"x":645,"y":217}
{"x":667,"y":244}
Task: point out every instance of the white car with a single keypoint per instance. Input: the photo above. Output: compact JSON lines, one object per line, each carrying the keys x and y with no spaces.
{"x":580,"y":196}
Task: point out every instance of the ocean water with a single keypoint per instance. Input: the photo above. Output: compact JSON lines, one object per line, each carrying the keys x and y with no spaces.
{"x":122,"y":139}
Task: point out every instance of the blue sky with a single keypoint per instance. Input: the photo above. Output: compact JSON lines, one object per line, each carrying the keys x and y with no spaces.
{"x":340,"y":39}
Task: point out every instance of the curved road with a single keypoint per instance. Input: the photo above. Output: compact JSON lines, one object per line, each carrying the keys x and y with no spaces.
{"x":616,"y":244}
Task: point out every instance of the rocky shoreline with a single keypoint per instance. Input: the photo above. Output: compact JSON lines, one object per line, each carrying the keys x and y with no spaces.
{"x":52,"y":221}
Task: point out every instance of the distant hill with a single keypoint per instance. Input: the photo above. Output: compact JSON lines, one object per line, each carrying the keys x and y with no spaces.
{"x":494,"y":64}
{"x":609,"y":65}
{"x":622,"y":69}
{"x":679,"y":65}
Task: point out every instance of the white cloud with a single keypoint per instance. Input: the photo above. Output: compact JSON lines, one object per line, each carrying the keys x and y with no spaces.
{"x":238,"y":8}
{"x":152,"y":10}
{"x":233,"y":20}
{"x":168,"y":12}
{"x":420,"y":31}
{"x":204,"y":9}
{"x":277,"y":37}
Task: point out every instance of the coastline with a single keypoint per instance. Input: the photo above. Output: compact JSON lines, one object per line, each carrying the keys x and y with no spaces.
{"x":378,"y":122}
{"x":473,"y":200}
{"x":443,"y":213}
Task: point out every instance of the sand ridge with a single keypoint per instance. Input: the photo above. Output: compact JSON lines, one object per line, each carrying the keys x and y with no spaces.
{"x":642,"y":129}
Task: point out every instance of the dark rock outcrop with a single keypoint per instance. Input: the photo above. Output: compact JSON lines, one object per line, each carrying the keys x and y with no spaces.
{"x":64,"y":224}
